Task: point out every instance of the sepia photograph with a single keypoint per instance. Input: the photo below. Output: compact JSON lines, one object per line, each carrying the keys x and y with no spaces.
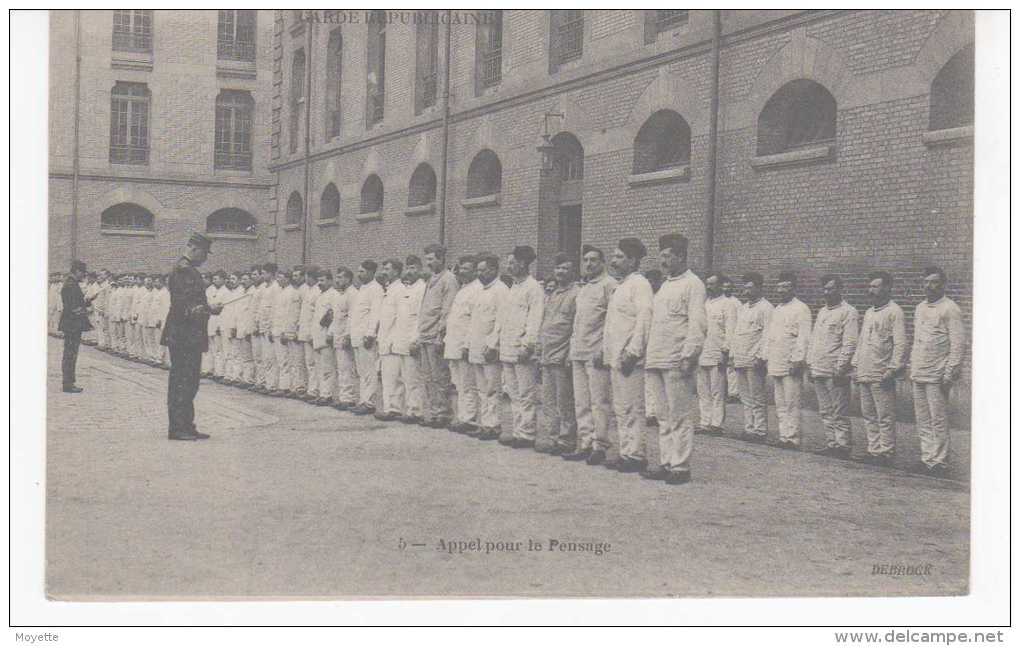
{"x":508,"y":304}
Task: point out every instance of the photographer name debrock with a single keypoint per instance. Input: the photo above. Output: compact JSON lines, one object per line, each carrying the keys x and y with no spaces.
{"x":479,"y":546}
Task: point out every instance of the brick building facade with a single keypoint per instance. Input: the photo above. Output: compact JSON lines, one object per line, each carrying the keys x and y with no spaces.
{"x":173,"y":128}
{"x":844,"y":139}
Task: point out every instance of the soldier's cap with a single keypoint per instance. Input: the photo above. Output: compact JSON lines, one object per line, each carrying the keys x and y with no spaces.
{"x":200,"y":241}
{"x":674,"y":241}
{"x":524,"y":253}
{"x":632,"y":248}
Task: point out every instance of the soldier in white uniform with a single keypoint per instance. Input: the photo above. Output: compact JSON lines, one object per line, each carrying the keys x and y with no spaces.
{"x":785,"y":351}
{"x":675,"y":339}
{"x":720,"y":318}
{"x":267,"y":316}
{"x":286,"y":309}
{"x":254,"y":311}
{"x":295,"y":348}
{"x":830,"y":352}
{"x":310,"y":294}
{"x":878,"y":361}
{"x":434,"y":367}
{"x":626,"y":336}
{"x":162,"y":311}
{"x":364,"y":317}
{"x":483,"y":344}
{"x":745,"y":344}
{"x":936,"y":363}
{"x":244,"y":323}
{"x":228,"y":326}
{"x":521,"y":320}
{"x":214,"y":296}
{"x":593,"y":406}
{"x":99,"y":306}
{"x":407,"y":345}
{"x":730,"y":292}
{"x":393,"y":387}
{"x":455,"y":346}
{"x":151,"y":320}
{"x":323,"y":340}
{"x":344,"y":361}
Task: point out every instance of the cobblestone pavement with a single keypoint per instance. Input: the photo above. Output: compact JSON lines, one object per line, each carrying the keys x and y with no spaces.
{"x":290,"y":499}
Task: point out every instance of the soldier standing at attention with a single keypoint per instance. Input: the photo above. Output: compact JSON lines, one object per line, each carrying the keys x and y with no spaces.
{"x":344,"y":364}
{"x":745,"y":350}
{"x":520,"y":320}
{"x":832,"y":347}
{"x":878,"y":360}
{"x":935,"y":365}
{"x":455,"y":346}
{"x":554,"y":350}
{"x":626,"y":334}
{"x":785,"y":351}
{"x":186,"y":336}
{"x":436,"y":304}
{"x":74,"y":320}
{"x":720,"y":317}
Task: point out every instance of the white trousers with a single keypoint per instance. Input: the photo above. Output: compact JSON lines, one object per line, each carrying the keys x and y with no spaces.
{"x":629,"y":406}
{"x":463,"y":376}
{"x":676,"y":396}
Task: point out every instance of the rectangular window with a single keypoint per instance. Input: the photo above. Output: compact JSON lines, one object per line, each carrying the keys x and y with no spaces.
{"x":132,"y":30}
{"x":376,"y":77}
{"x":566,"y":37}
{"x":334,"y":77}
{"x":235,"y":39}
{"x":129,"y":124}
{"x":489,"y":49}
{"x":234,"y":114}
{"x":666,"y":19}
{"x":297,"y":97}
{"x":426,"y":60}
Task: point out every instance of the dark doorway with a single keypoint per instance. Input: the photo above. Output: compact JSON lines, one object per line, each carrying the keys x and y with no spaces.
{"x":570,"y":232}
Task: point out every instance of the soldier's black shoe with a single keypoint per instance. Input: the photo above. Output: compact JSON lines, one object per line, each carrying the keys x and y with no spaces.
{"x":717,"y":431}
{"x":506,"y":441}
{"x":938,"y":471}
{"x":612,"y":465}
{"x":521,"y":443}
{"x":678,"y":477}
{"x":73,"y":389}
{"x":487,"y":435}
{"x":409,"y":419}
{"x":199,"y":435}
{"x":657,"y":473}
{"x":597,"y":457}
{"x":577,"y":456}
{"x":185,"y":436}
{"x":386,"y":417}
{"x":753,"y":438}
{"x":842,"y":452}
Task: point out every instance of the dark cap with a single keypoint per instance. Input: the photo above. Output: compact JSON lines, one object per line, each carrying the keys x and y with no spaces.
{"x":524,"y":253}
{"x":674,"y":241}
{"x":632,"y":248}
{"x":200,"y":241}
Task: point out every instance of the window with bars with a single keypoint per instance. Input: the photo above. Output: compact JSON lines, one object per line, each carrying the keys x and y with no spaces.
{"x":951,"y":102}
{"x":132,"y":30}
{"x":375,"y":78}
{"x":663,"y":142}
{"x":488,"y":49}
{"x":235,"y":37}
{"x":801,"y":114}
{"x":426,"y":60}
{"x":297,"y":97}
{"x":234,"y":115}
{"x":129,"y":123}
{"x":372,"y":195}
{"x":126,"y":216}
{"x":334,"y":78}
{"x":230,"y":220}
{"x":566,"y":36}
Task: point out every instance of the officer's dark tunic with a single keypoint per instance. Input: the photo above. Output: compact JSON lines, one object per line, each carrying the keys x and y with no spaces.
{"x":73,"y":321}
{"x":184,"y":334}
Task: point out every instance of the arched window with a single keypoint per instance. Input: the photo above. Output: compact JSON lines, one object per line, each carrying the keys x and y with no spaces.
{"x":230,"y":221}
{"x":234,"y":115}
{"x":372,"y":195}
{"x":295,"y":208}
{"x":329,"y":207}
{"x":485,"y":175}
{"x":663,"y":142}
{"x":568,"y":157}
{"x":800,"y":114}
{"x":126,"y":216}
{"x":952,"y":92}
{"x":422,"y":190}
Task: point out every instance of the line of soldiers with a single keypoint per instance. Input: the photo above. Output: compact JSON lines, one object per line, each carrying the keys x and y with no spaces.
{"x":397,"y":340}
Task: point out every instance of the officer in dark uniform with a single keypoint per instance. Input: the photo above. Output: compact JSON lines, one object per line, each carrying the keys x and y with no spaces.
{"x":186,"y":337}
{"x":73,"y":321}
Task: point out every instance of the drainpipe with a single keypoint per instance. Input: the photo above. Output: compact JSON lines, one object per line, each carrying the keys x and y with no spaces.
{"x":446,"y":132}
{"x":308,"y":139}
{"x":713,"y":133}
{"x":77,"y":108}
